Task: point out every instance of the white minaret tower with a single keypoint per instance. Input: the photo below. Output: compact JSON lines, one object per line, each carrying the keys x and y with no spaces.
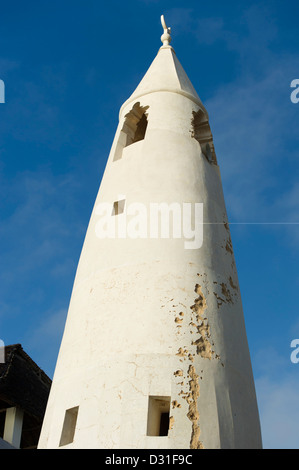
{"x":154,"y":353}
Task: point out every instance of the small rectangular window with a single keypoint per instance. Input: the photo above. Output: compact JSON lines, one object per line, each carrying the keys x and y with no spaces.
{"x":118,"y":207}
{"x":158,"y":416}
{"x":69,"y":426}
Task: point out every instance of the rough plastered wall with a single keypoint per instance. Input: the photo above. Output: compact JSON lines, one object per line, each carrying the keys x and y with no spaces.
{"x":149,"y":318}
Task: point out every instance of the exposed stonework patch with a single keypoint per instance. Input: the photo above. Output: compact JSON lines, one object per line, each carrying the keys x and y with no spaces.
{"x":175,"y":404}
{"x":219,"y":299}
{"x":203,"y":345}
{"x":200,"y":303}
{"x":193,"y":413}
{"x":182,"y":352}
{"x":229,"y":246}
{"x":179,"y":320}
{"x":232,"y":283}
{"x":226,"y":295}
{"x":171,"y":422}
{"x":178,"y":373}
{"x":226,"y":292}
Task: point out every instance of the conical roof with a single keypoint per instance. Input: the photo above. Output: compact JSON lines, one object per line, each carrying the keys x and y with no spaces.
{"x":166,"y":74}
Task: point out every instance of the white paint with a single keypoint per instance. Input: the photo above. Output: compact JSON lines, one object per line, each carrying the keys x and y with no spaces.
{"x":13,"y":426}
{"x":130,"y":331}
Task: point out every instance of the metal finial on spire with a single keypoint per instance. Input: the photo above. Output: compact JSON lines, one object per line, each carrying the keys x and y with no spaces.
{"x":165,"y":38}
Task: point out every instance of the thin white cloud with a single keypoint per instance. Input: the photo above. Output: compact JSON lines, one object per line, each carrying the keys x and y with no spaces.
{"x":8,"y":65}
{"x":50,"y":327}
{"x":38,"y":238}
{"x":279,"y":412}
{"x":277,"y":383}
{"x":247,"y":118}
{"x":44,"y":340}
{"x":33,"y":109}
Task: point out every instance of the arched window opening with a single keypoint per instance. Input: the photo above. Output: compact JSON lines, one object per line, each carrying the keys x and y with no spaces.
{"x":140,"y":129}
{"x":201,"y":131}
{"x":135,"y":124}
{"x":133,"y":130}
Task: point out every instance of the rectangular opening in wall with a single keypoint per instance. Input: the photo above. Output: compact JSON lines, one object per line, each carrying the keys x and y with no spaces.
{"x":118,"y":207}
{"x":158,"y":416}
{"x":69,"y":426}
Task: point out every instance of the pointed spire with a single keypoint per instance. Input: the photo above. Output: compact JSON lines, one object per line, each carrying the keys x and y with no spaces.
{"x":165,"y":74}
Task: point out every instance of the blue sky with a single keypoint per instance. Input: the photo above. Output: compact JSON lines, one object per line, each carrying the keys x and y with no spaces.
{"x":68,"y":66}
